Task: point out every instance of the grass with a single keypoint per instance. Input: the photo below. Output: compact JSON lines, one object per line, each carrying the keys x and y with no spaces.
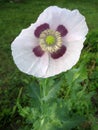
{"x":16,"y":16}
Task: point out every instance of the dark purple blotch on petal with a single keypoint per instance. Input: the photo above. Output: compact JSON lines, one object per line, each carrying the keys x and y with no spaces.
{"x":38,"y":51}
{"x":41,"y":28}
{"x":59,"y":53}
{"x":62,"y":30}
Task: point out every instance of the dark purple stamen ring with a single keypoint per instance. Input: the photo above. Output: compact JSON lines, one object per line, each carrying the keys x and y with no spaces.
{"x":40,"y":29}
{"x":59,"y":53}
{"x":62,"y":30}
{"x":38,"y":51}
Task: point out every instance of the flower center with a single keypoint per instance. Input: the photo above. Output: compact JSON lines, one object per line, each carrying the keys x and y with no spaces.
{"x":50,"y":40}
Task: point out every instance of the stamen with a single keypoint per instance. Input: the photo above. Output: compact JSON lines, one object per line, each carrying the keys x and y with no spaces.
{"x":50,"y":40}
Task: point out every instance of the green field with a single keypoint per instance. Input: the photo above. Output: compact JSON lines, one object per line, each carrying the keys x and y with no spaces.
{"x":16,"y":16}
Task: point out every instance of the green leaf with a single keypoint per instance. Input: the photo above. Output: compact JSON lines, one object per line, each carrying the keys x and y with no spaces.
{"x":72,"y":122}
{"x":52,"y":92}
{"x":34,"y":91}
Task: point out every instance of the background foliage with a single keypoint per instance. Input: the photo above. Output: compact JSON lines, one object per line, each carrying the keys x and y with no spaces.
{"x":67,"y":101}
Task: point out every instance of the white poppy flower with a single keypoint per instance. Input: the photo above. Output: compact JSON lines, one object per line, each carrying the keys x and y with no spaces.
{"x":51,"y":45}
